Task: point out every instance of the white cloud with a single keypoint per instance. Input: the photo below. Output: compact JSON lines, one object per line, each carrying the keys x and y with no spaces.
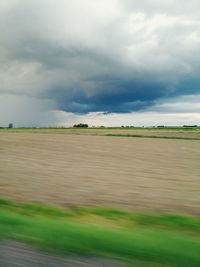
{"x":147,"y":118}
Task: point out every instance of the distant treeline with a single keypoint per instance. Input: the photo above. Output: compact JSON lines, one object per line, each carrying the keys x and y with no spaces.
{"x":81,"y":125}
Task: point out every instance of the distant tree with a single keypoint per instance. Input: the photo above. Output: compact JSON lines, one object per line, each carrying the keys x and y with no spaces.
{"x":10,"y":125}
{"x":190,"y":126}
{"x":81,"y":125}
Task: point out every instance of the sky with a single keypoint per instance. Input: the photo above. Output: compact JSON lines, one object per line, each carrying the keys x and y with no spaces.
{"x":112,"y":63}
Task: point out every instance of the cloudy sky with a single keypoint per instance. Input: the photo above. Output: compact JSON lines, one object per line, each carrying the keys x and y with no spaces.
{"x":103,"y":62}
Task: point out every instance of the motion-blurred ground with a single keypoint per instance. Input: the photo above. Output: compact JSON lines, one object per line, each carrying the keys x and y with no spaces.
{"x":13,"y":254}
{"x":79,"y":168}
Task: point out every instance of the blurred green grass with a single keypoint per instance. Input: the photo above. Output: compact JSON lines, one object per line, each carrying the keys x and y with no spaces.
{"x":116,"y":217}
{"x":168,"y":239}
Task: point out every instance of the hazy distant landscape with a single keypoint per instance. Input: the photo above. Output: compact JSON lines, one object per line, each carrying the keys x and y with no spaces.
{"x":152,"y":132}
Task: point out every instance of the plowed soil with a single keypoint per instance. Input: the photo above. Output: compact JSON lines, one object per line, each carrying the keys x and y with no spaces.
{"x":133,"y":173}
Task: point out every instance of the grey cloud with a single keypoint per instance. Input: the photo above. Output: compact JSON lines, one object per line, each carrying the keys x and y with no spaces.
{"x":182,"y":104}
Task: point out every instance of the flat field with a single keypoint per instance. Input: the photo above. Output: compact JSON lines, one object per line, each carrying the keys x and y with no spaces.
{"x":83,"y":167}
{"x":171,"y":133}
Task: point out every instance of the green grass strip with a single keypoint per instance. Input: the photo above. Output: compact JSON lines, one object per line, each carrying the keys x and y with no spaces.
{"x":154,"y":136}
{"x":116,"y":217}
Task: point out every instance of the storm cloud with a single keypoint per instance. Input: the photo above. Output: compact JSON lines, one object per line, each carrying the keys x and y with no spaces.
{"x":116,"y":56}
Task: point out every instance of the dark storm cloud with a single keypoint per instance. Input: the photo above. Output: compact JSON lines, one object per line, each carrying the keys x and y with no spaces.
{"x":99,"y":55}
{"x":116,"y":96}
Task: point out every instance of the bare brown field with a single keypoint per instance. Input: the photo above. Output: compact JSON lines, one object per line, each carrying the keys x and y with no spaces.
{"x":135,"y":173}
